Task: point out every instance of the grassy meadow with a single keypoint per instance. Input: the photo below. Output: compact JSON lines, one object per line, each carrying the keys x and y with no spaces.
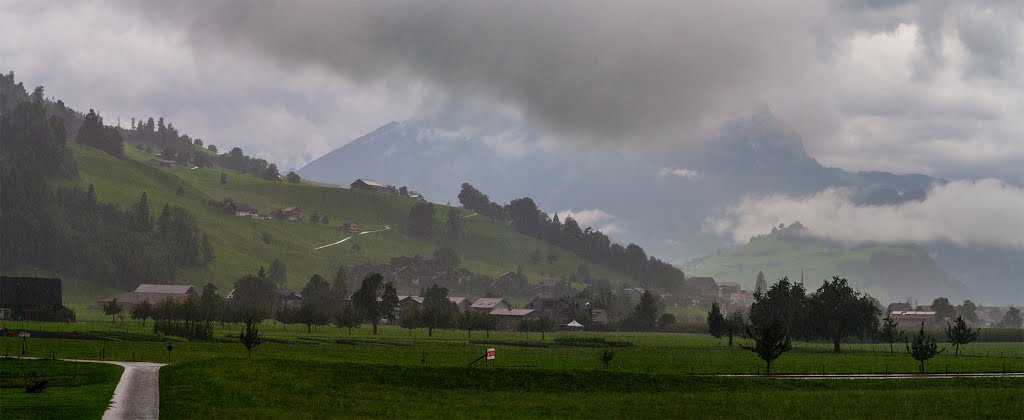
{"x":75,"y":391}
{"x":486,"y":246}
{"x":331,"y":372}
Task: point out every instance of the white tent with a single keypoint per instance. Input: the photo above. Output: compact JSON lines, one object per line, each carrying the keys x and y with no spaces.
{"x":574,"y":324}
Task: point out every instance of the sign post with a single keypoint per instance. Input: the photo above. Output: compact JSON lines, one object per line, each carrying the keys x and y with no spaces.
{"x":24,"y":338}
{"x":488,"y":355}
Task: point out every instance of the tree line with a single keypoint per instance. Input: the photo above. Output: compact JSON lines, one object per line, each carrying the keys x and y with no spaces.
{"x":67,"y":230}
{"x":524,"y":216}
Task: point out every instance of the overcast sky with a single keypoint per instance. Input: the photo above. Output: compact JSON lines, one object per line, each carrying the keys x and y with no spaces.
{"x":927,"y":86}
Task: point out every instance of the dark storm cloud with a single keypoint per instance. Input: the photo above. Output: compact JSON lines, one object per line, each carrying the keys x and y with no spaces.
{"x":596,"y":69}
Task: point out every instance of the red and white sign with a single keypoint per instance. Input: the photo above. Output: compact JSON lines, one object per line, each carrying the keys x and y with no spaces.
{"x":490,"y":354}
{"x":24,"y":334}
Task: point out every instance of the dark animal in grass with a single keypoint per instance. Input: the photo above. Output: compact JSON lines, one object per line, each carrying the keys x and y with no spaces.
{"x":37,"y":387}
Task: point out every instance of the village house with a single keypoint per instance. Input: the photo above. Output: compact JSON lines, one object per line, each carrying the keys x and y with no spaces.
{"x":407,"y":275}
{"x":369,"y":185}
{"x":509,"y":318}
{"x":486,"y":305}
{"x":461,"y":303}
{"x":899,"y":306}
{"x":292,"y":213}
{"x":910,"y":319}
{"x":350,"y":227}
{"x":408,"y":304}
{"x":22,"y":298}
{"x":732,"y":295}
{"x":510,"y":283}
{"x":702,"y":290}
{"x":599,"y":316}
{"x":288,"y":298}
{"x":154,"y":294}
{"x":559,"y":310}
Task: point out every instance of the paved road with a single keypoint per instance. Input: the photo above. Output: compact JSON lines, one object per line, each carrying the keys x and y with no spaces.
{"x":137,"y":395}
{"x":386,"y":227}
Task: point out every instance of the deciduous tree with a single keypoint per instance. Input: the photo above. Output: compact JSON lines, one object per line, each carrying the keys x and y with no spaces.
{"x":924,"y":347}
{"x":960,"y":334}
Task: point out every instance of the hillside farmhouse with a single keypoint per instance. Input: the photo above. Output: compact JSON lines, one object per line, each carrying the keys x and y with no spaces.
{"x":154,"y":294}
{"x":292,"y":213}
{"x":487,"y":305}
{"x":369,"y":185}
{"x":350,"y":227}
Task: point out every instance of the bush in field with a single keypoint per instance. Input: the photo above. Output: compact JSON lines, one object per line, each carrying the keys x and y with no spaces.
{"x":890,"y":332}
{"x":770,"y":340}
{"x":186,"y":329}
{"x":607,"y":357}
{"x":250,"y":336}
{"x":924,"y":347}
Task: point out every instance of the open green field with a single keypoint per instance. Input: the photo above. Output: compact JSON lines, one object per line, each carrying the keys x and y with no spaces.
{"x":238,"y":388}
{"x":486,"y":246}
{"x":663,"y":353}
{"x":76,"y":390}
{"x":401,"y":373}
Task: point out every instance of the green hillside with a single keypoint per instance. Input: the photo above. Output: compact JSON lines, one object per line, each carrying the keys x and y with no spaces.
{"x":486,"y":246}
{"x":888,"y":272}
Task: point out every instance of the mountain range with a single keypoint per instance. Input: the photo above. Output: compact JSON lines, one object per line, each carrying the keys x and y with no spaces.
{"x":656,"y":197}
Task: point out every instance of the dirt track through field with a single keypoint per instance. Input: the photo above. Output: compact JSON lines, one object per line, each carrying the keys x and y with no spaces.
{"x":386,"y":227}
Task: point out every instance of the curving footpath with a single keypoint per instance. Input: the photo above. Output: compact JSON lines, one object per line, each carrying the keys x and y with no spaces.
{"x":137,"y":395}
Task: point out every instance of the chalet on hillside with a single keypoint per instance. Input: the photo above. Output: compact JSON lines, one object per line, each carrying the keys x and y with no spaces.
{"x":154,"y":294}
{"x":350,"y":227}
{"x":368,"y":185}
{"x":25,"y":297}
{"x":245,"y":210}
{"x":164,"y":162}
{"x":292,"y":213}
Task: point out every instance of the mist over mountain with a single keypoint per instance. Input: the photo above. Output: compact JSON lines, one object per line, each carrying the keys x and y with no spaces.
{"x":661,"y":199}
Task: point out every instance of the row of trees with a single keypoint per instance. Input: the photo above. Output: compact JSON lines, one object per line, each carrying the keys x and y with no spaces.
{"x":524,"y":216}
{"x":835,"y":311}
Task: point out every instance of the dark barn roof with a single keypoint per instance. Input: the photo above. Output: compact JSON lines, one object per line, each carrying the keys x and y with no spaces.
{"x":31,"y":291}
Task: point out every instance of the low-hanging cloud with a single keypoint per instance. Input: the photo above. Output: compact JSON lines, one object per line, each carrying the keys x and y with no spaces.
{"x":985,"y":212}
{"x":595,"y":69}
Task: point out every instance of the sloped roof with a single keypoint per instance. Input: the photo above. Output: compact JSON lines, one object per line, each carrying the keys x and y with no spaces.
{"x":170,"y":289}
{"x":457,"y":299}
{"x":487,"y":303}
{"x":701,"y":282}
{"x":574,"y":324}
{"x":370,"y":182}
{"x":135,"y":298}
{"x":511,"y":312}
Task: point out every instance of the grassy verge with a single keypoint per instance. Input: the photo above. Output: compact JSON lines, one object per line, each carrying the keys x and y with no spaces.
{"x":76,"y":390}
{"x":278,"y":388}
